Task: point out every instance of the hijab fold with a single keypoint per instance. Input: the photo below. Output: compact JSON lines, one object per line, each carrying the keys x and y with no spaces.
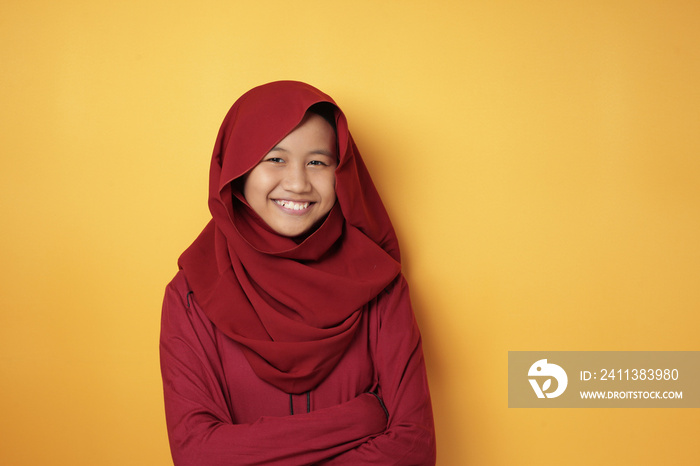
{"x":293,"y":305}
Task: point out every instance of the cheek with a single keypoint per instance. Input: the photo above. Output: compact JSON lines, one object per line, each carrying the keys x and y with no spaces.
{"x":255,"y":185}
{"x":329,"y":192}
{"x":244,"y":186}
{"x":248,"y":190}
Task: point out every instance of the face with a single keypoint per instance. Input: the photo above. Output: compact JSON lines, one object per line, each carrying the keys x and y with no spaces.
{"x":293,"y":187}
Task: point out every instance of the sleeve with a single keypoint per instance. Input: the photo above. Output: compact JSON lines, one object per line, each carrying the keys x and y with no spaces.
{"x":200,"y":428}
{"x":403,"y":385}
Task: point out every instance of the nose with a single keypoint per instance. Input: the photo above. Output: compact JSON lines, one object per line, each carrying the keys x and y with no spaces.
{"x":296,"y":179}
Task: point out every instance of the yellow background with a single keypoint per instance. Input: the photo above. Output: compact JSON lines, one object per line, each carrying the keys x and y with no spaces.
{"x":540,"y":160}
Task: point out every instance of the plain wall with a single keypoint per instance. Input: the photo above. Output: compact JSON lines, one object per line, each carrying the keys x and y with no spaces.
{"x":540,"y":161}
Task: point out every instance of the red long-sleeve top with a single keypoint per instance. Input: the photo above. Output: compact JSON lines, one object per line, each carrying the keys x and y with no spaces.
{"x":220,"y":413}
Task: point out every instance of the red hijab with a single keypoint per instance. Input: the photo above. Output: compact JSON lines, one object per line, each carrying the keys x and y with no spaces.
{"x":292,"y":305}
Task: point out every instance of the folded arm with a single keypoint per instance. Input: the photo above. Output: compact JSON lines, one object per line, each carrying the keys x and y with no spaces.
{"x":409,"y":438}
{"x":200,"y":425}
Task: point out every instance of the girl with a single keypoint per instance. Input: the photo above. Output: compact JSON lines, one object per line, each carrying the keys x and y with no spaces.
{"x":287,"y":335}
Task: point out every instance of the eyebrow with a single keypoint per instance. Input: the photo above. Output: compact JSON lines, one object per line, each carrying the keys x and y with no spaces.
{"x":311,"y":152}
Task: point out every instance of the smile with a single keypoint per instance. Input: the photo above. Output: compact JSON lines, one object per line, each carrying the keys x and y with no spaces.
{"x":291,"y":205}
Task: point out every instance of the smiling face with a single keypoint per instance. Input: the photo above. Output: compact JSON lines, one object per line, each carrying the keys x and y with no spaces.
{"x":293,"y":187}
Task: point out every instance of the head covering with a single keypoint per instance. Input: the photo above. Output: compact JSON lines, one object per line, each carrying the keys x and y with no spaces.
{"x":293,"y":305}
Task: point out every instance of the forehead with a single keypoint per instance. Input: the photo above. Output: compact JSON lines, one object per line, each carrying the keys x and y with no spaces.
{"x":313,"y":131}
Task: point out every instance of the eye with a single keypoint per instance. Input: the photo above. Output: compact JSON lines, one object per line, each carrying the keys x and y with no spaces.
{"x":274,"y":159}
{"x":318,"y":163}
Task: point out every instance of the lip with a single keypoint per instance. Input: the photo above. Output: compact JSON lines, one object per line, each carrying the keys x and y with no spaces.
{"x":288,"y":206}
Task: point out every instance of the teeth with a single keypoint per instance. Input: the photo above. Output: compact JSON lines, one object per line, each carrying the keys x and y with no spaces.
{"x":293,"y":205}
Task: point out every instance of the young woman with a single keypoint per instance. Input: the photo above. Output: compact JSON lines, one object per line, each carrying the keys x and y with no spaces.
{"x":288,"y":335}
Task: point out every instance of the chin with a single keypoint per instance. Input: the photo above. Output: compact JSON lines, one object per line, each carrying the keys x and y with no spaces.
{"x":291,"y":232}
